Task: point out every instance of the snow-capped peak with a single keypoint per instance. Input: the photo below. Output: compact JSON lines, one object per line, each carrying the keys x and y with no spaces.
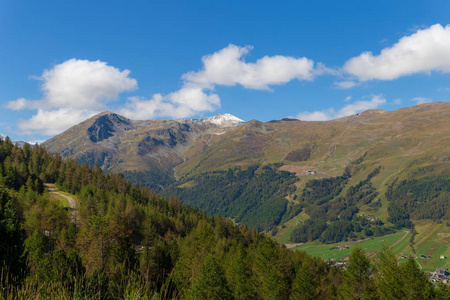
{"x":223,"y":120}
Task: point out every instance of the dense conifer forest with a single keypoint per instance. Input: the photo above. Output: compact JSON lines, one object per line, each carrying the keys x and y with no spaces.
{"x":127,"y":242}
{"x":256,"y":199}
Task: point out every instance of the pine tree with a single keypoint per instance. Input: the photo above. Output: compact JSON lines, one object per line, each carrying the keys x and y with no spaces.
{"x":211,"y":283}
{"x":304,"y":285}
{"x":267,"y":267}
{"x":358,"y":283}
{"x":390,"y":280}
{"x":417,"y":285}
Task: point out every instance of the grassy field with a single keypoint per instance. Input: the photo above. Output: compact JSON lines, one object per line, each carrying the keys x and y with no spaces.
{"x":372,"y":246}
{"x":432,"y":241}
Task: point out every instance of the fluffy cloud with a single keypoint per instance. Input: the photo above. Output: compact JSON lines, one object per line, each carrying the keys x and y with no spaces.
{"x":19,"y":104}
{"x":349,"y":109}
{"x":425,"y":51}
{"x":227,"y":67}
{"x":224,"y":67}
{"x":53,"y":121}
{"x":73,"y":90}
{"x":420,"y":100}
{"x":186,"y":102}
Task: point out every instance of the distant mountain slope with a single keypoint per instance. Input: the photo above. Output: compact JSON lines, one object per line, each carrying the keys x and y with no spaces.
{"x":409,"y":143}
{"x":119,"y":144}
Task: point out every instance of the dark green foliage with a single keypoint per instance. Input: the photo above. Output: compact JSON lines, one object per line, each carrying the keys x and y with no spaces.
{"x":309,"y":231}
{"x":155,"y":179}
{"x":391,"y":281}
{"x":252,"y":198}
{"x":12,"y":235}
{"x":416,"y":284}
{"x":268,"y":269}
{"x":320,"y":191}
{"x":210,"y":283}
{"x":357,"y":278}
{"x":424,"y":198}
{"x":304,"y":285}
{"x":334,"y":219}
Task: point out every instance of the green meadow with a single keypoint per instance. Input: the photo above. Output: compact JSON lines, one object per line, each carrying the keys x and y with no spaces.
{"x":432,"y":241}
{"x":371,"y":246}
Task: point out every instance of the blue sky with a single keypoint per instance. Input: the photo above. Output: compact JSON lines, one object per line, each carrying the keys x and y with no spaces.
{"x":63,"y":61}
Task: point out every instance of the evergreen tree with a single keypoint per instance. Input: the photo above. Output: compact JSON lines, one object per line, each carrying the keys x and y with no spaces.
{"x":358,"y":283}
{"x":417,"y":286}
{"x":211,"y":283}
{"x":239,"y":275}
{"x":267,"y":268}
{"x":304,"y":285}
{"x":12,"y":235}
{"x":390,"y":280}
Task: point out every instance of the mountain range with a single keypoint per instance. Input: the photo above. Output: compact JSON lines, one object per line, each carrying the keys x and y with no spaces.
{"x":409,"y":143}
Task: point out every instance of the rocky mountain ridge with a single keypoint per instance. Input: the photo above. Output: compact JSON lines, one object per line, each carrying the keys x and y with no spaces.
{"x":118,"y":144}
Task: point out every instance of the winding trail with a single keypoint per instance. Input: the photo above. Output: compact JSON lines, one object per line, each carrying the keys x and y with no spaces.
{"x":73,"y":205}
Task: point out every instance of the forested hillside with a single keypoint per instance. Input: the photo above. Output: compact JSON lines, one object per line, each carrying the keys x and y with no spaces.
{"x":130,"y":243}
{"x":257,"y":199}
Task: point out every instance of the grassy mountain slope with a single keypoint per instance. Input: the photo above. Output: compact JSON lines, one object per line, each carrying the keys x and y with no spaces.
{"x":410,"y":143}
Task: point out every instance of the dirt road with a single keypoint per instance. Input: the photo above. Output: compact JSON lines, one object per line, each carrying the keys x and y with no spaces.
{"x":73,"y":205}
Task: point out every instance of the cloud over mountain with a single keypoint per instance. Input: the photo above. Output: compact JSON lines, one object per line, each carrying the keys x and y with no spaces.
{"x":224,"y":67}
{"x":73,"y":91}
{"x":347,"y":110}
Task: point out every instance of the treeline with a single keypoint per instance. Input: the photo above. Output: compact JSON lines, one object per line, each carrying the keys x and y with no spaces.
{"x":334,"y":219}
{"x":254,"y":197}
{"x":417,"y":199}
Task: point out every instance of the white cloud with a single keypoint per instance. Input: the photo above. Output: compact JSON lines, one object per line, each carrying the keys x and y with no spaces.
{"x":73,"y":91}
{"x":420,"y":100}
{"x":224,"y":67}
{"x":322,"y":115}
{"x":349,"y":109}
{"x":84,"y":84}
{"x":18,"y":104}
{"x":346,"y":84}
{"x":77,"y":89}
{"x":348,"y":98}
{"x":184,"y":103}
{"x":51,"y":122}
{"x":424,"y":51}
{"x":227,"y":67}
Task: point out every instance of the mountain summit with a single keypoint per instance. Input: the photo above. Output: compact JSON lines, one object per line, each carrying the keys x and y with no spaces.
{"x":223,"y":120}
{"x":119,"y":144}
